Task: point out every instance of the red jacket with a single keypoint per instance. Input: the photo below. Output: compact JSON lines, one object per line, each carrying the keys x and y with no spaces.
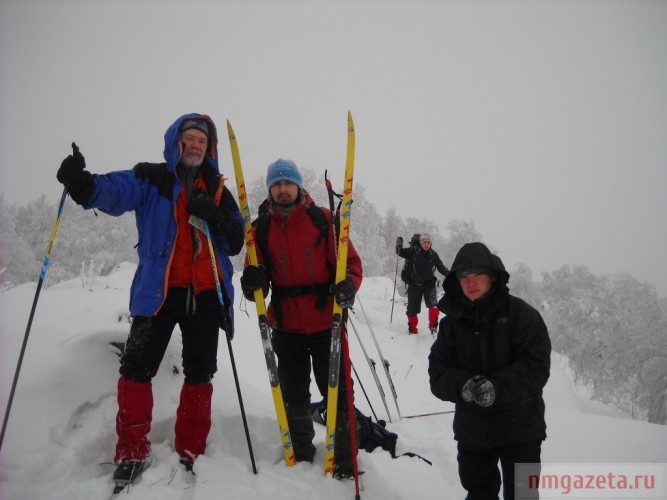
{"x":297,"y":260}
{"x":191,"y":258}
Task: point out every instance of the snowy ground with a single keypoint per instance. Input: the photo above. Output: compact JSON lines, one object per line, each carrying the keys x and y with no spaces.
{"x":60,"y":437}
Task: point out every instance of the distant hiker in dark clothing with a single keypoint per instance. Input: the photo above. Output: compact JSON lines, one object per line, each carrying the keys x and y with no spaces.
{"x":491,"y":358}
{"x":174,"y":283}
{"x":421,"y":280}
{"x":298,"y":261}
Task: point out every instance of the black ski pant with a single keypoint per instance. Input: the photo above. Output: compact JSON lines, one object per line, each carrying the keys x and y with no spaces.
{"x":198,"y":318}
{"x":417,"y":292}
{"x":298,"y":353}
{"x":479,"y":474}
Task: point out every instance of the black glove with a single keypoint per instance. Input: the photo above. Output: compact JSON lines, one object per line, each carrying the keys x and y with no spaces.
{"x":74,"y":176}
{"x":204,"y":207}
{"x":226,"y":323}
{"x":253,"y":278}
{"x":344,"y":293}
{"x":399,"y":244}
{"x":483,"y":392}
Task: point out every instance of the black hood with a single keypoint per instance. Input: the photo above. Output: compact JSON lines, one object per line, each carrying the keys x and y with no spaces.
{"x":471,"y":255}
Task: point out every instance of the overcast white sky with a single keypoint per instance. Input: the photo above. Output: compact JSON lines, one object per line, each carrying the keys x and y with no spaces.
{"x":545,"y":122}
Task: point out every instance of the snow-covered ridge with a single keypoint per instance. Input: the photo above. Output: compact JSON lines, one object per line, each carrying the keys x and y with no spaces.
{"x":60,"y":437}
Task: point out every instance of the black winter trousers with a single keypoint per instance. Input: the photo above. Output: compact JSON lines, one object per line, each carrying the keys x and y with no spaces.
{"x":479,"y":474}
{"x":297,"y":354}
{"x":415,"y":295}
{"x":149,"y":337}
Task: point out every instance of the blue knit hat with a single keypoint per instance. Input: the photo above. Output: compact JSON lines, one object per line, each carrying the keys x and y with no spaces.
{"x":283,"y":170}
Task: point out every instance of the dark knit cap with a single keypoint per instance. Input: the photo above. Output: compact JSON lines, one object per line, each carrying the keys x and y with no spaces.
{"x":197,"y":124}
{"x":464,"y":271}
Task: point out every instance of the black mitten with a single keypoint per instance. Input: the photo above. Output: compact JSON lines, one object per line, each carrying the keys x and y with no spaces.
{"x":253,"y":278}
{"x":204,"y":207}
{"x":399,"y":243}
{"x":344,"y":292}
{"x":74,"y":176}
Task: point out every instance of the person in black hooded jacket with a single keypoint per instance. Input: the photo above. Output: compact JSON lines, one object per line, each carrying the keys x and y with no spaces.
{"x":492,"y":358}
{"x":421,"y":282}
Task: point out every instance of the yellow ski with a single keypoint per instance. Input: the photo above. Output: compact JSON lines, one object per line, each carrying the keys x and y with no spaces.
{"x":341,"y":269}
{"x":269,"y":355}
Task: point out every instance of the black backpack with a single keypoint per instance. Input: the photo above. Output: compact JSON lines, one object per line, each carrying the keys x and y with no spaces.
{"x":406,"y":272}
{"x":370,"y":434}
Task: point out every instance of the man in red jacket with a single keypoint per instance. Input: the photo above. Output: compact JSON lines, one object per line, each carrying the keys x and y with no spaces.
{"x":300,"y":268}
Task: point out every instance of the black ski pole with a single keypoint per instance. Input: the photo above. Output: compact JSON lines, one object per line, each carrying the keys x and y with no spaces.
{"x":393,"y":296}
{"x":42,"y":275}
{"x":238,"y":391}
{"x":203,"y":226}
{"x":363,"y":389}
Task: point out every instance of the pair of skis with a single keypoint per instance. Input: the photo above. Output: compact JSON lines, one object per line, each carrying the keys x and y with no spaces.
{"x":336,"y":337}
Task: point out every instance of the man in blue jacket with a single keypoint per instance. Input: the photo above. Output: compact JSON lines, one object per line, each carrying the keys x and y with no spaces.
{"x":491,"y":358}
{"x":174,"y":283}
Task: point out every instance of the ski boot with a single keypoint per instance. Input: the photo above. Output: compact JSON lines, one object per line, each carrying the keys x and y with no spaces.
{"x":127,"y":473}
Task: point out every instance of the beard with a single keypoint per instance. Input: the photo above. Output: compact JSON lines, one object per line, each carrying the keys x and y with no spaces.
{"x":191,"y":162}
{"x":285,"y":202}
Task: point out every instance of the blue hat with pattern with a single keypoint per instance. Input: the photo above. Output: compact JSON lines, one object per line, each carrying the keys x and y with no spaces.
{"x":283,"y":170}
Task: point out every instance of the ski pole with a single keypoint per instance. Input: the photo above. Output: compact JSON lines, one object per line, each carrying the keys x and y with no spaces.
{"x":347,"y":367}
{"x":429,"y":414}
{"x":42,"y":275}
{"x":203,"y":226}
{"x":393,"y":296}
{"x":385,"y":363}
{"x":363,"y":389}
{"x":371,"y":365}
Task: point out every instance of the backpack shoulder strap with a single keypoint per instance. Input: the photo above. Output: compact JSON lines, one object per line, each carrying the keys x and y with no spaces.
{"x":320,"y":221}
{"x":261,"y":225}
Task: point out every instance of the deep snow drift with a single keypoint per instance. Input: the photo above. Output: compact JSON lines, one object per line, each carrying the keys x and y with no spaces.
{"x":60,"y":437}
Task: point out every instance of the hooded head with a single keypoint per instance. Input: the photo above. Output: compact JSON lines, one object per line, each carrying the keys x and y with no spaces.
{"x":197,"y":124}
{"x":474,"y":258}
{"x":172,"y":139}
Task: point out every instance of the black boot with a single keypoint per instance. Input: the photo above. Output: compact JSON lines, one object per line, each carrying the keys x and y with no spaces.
{"x":127,"y":473}
{"x":300,"y":423}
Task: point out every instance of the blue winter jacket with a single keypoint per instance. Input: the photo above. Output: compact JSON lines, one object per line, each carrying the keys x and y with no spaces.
{"x":151,"y":191}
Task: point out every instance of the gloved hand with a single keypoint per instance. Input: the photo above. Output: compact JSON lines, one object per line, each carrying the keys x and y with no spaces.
{"x":74,"y":176}
{"x":483,"y":392}
{"x":467,"y":390}
{"x":204,"y":207}
{"x":226,"y":323}
{"x":399,"y":244}
{"x":344,"y":293}
{"x":253,"y":278}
